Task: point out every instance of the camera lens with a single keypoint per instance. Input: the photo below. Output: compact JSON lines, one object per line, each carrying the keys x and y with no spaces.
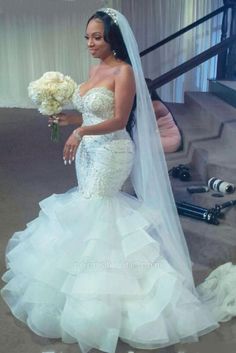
{"x":185,"y":175}
{"x":221,"y":186}
{"x":211,"y":182}
{"x":181,"y":172}
{"x":229,"y":188}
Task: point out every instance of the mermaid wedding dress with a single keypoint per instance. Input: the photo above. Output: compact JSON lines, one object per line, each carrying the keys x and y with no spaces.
{"x":88,"y":269}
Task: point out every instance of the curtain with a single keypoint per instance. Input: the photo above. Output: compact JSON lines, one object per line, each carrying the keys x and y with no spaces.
{"x":48,"y":35}
{"x":163,"y":18}
{"x":39,"y":36}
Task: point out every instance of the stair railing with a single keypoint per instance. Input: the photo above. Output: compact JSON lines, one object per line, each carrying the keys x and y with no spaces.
{"x":226,"y":49}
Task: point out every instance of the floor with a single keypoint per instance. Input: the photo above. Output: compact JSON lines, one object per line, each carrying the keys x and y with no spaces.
{"x":31,"y":169}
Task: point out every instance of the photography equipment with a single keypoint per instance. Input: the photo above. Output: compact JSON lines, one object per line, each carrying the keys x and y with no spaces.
{"x":208,"y":215}
{"x":181,"y":171}
{"x":217,"y":195}
{"x":198,"y":212}
{"x":225,"y":205}
{"x":197,"y":189}
{"x":221,"y":186}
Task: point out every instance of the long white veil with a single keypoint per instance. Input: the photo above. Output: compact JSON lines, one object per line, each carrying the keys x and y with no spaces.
{"x":152,"y":186}
{"x":150,"y":175}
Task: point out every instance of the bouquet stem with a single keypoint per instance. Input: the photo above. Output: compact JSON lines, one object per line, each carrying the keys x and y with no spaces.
{"x":55,"y":132}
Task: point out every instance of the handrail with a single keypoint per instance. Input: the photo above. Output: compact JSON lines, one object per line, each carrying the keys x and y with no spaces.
{"x":190,"y":64}
{"x":185,"y":29}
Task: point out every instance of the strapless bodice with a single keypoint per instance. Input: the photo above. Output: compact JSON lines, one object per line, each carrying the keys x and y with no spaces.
{"x":96,"y":104}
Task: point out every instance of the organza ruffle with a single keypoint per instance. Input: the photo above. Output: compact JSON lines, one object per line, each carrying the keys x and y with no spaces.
{"x":89,"y":271}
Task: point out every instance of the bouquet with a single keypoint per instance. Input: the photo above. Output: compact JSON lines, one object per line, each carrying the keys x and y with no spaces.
{"x":50,"y":93}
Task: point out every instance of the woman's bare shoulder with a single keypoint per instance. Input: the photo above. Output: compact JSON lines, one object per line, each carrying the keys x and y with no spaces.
{"x":125,"y":82}
{"x":124,"y":72}
{"x":124,"y":68}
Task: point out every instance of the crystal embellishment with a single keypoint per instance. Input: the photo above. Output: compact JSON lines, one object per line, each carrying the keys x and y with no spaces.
{"x":103,"y":162}
{"x":112,"y":14}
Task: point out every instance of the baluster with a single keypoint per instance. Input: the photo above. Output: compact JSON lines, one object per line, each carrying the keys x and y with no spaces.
{"x":222,"y":57}
{"x":231,"y":60}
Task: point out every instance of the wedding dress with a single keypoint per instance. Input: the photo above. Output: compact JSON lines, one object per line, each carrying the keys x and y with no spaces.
{"x":88,"y":270}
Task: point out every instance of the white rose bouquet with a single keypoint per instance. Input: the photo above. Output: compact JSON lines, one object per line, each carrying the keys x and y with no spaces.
{"x":50,"y":93}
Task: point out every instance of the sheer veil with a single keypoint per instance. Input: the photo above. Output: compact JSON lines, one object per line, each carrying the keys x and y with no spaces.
{"x":150,"y":175}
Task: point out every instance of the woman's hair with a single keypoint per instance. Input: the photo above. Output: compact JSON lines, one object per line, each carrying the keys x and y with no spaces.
{"x":113,"y":36}
{"x":153,"y":94}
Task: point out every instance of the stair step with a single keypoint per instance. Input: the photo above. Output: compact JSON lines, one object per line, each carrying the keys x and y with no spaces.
{"x":213,"y":162}
{"x":201,"y":117}
{"x":209,"y":129}
{"x":211,"y":151}
{"x":211,"y":105}
{"x":226,"y":90}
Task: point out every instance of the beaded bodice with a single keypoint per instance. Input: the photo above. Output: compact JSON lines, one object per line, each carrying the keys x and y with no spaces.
{"x":96,"y":104}
{"x":103,"y":162}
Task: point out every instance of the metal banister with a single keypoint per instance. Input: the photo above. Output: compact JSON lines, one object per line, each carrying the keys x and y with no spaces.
{"x":190,"y":64}
{"x":185,"y":29}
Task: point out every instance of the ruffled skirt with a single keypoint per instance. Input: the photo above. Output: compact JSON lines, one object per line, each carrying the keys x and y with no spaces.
{"x":89,"y":271}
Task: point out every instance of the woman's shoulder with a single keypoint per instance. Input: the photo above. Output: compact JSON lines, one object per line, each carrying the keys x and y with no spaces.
{"x":124,"y":78}
{"x":124,"y":71}
{"x":124,"y":67}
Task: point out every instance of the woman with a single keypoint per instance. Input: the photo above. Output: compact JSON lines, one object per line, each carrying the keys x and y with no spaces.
{"x":98,"y":264}
{"x":170,"y":133}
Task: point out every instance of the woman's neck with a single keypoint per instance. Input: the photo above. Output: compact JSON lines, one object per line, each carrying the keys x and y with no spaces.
{"x":110,"y":60}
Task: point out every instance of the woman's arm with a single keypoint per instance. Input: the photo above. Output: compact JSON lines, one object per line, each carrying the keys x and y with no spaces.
{"x":124,"y":97}
{"x":75,"y":118}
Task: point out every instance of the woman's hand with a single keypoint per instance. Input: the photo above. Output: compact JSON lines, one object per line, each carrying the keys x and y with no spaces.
{"x":70,"y":149}
{"x":62,"y":119}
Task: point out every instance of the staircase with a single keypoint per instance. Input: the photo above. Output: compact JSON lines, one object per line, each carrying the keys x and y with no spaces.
{"x":208,"y":123}
{"x":224,"y":89}
{"x":209,"y":130}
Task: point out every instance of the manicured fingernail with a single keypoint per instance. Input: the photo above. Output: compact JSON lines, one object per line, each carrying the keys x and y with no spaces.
{"x":65,"y":162}
{"x":69,"y":161}
{"x":64,"y":158}
{"x":73,"y":158}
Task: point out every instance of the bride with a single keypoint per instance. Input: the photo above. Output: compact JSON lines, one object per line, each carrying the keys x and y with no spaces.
{"x":98,"y":264}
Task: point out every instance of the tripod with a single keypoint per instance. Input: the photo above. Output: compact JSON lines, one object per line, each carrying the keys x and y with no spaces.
{"x":197,"y":212}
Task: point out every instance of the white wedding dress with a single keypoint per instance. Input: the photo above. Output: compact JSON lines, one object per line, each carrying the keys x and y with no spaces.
{"x":88,"y":269}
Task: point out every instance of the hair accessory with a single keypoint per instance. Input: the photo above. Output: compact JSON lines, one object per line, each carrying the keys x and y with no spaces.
{"x":111,"y":13}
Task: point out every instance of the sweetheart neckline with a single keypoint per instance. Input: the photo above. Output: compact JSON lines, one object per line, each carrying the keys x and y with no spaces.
{"x":91,"y":89}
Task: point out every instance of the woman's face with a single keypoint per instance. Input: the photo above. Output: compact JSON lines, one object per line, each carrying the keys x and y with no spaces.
{"x":95,"y":39}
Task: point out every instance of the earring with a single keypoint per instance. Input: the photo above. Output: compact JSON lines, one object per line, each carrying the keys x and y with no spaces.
{"x":114,"y":53}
